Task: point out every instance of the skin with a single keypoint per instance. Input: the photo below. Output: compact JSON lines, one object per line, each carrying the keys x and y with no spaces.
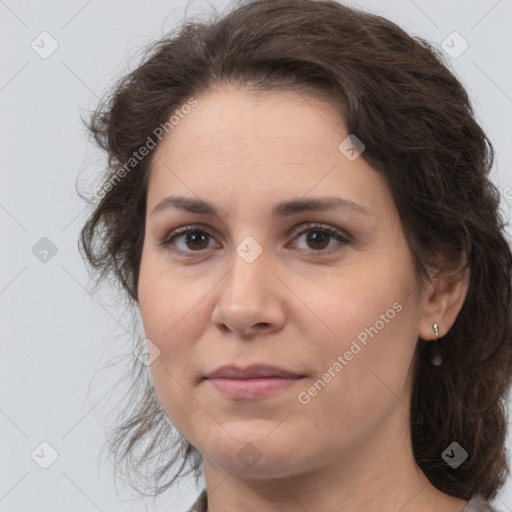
{"x":294,"y":306}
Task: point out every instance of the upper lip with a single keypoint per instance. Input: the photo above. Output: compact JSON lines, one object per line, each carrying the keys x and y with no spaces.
{"x":253,"y":371}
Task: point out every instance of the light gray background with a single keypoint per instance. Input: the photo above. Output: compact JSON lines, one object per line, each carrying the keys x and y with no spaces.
{"x":55,"y":335}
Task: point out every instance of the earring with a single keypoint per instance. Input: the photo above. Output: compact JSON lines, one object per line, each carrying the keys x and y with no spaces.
{"x":436,"y":358}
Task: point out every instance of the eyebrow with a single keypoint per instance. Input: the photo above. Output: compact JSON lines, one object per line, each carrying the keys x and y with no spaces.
{"x":283,"y":209}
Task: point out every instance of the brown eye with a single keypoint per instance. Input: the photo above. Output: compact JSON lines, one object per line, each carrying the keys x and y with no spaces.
{"x":196,"y":239}
{"x":187,"y":240}
{"x":318,"y":238}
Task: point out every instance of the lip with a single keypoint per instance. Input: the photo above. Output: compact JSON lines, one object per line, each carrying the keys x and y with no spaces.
{"x":255,"y":382}
{"x":252,"y":372}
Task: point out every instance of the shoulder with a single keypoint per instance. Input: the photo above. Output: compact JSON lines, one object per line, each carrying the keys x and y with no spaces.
{"x":475,"y":504}
{"x":478,"y":504}
{"x":201,"y":504}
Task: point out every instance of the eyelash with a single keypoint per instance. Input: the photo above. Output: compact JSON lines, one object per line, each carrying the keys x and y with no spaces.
{"x":334,"y":233}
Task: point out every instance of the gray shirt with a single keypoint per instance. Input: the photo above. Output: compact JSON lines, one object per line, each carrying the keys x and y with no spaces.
{"x":475,"y":504}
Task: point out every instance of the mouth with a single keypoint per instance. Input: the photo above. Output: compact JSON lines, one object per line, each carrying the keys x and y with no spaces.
{"x":256,"y":382}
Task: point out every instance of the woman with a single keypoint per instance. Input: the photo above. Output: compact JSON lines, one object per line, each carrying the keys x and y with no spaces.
{"x":298,"y":203}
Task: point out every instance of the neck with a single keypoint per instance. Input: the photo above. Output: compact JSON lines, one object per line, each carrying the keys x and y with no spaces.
{"x":381,"y":475}
{"x":413,"y":494}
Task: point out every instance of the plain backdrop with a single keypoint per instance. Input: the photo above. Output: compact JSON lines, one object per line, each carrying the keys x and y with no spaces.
{"x":55,"y":334}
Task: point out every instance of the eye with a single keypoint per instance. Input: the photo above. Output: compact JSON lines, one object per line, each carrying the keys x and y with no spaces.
{"x":320,"y":236}
{"x":194,"y":239}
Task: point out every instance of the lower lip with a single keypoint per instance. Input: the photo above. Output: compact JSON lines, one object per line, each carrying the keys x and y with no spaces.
{"x":251,"y":389}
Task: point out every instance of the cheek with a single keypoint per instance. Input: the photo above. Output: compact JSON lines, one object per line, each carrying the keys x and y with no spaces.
{"x":372,"y":320}
{"x":369,"y":304}
{"x":363,"y":382}
{"x":169,"y":305}
{"x":170,"y":328}
{"x":173,"y":315}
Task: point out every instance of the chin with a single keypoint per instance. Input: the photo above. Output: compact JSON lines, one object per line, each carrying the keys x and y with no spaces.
{"x":256,"y":459}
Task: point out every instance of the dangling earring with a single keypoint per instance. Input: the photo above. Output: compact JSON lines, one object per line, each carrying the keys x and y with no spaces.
{"x":436,"y":358}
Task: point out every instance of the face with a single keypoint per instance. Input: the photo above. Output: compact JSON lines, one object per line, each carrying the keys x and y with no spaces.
{"x":266,"y":276}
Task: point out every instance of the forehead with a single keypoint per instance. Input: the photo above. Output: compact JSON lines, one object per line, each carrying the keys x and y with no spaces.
{"x":281,"y":144}
{"x":234,"y":120}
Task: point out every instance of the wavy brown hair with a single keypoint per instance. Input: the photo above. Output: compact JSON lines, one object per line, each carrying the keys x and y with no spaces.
{"x":397,"y":94}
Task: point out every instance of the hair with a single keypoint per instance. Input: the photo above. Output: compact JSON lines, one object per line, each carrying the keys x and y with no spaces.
{"x":396,"y":93}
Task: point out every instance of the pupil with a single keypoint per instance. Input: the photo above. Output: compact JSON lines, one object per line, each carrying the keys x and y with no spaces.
{"x":319,"y":239}
{"x":191,"y":237}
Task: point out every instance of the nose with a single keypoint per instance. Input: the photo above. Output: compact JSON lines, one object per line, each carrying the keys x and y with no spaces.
{"x":250,"y":299}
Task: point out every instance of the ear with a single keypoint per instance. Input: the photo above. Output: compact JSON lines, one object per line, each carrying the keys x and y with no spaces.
{"x":441,"y":302}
